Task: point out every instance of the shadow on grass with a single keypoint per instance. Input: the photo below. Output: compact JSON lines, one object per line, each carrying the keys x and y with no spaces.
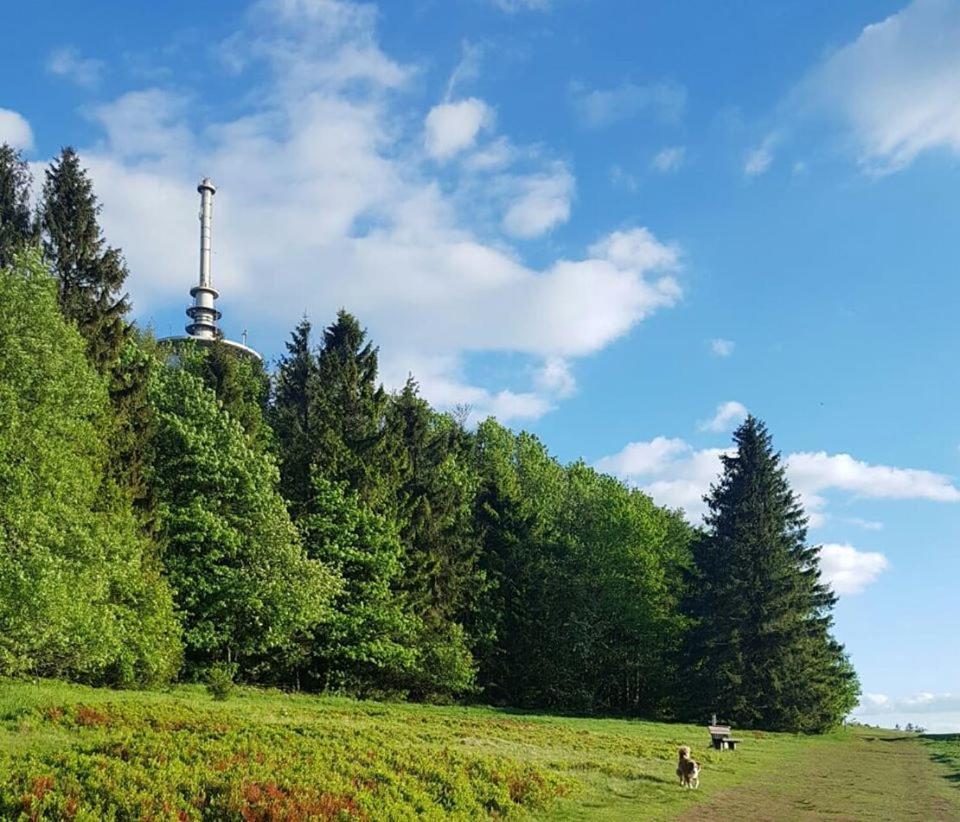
{"x":887,"y":738}
{"x":950,"y":760}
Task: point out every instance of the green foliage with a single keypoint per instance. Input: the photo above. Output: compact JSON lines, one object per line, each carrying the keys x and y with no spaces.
{"x":16,"y":224}
{"x":586,"y":578}
{"x":334,"y":536}
{"x":441,"y":544}
{"x":366,"y":645}
{"x":80,"y":593}
{"x":261,"y":756}
{"x":292,"y":418}
{"x":219,"y":680}
{"x":399,"y":472}
{"x":241,"y":580}
{"x":241,"y":385}
{"x":761,"y":653}
{"x":329,"y":416}
{"x":90,"y":273}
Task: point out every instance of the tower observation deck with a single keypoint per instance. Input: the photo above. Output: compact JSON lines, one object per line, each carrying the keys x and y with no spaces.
{"x":203,"y":314}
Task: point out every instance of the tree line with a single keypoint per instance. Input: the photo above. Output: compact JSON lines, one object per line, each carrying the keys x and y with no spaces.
{"x":162,"y":513}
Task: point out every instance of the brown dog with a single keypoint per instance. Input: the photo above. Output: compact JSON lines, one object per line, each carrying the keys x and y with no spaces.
{"x":688,"y":769}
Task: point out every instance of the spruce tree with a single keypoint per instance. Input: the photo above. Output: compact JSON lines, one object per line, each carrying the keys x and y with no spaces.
{"x":91,"y":274}
{"x":760,"y":653}
{"x":16,"y":225}
{"x":292,"y":419}
{"x":329,"y":416}
{"x":349,"y":442}
{"x":435,"y":498}
{"x":440,"y":541}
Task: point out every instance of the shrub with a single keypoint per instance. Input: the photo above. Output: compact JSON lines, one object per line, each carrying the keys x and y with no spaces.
{"x":220,"y":680}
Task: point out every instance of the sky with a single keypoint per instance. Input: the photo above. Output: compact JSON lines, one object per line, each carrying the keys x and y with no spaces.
{"x":621,"y":226}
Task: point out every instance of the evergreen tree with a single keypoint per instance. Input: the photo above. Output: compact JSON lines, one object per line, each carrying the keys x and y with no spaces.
{"x":440,"y":542}
{"x":349,"y":441}
{"x":91,"y":274}
{"x":16,"y":225}
{"x":435,"y":499}
{"x":292,"y":417}
{"x":80,"y":590}
{"x":761,"y":654}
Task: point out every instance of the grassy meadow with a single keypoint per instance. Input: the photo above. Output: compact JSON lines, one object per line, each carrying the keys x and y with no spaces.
{"x":69,"y":752}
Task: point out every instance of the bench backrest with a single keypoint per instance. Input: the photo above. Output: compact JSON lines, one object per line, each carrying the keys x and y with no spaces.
{"x":719,"y":730}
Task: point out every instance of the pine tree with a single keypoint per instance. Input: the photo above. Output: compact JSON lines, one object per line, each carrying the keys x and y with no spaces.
{"x":761,"y":654}
{"x":16,"y":225}
{"x":91,"y":274}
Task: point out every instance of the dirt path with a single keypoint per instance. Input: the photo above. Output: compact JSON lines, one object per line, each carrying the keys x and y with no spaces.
{"x":869,"y":776}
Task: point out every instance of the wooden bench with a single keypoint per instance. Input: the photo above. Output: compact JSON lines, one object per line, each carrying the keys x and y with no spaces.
{"x":721,"y":737}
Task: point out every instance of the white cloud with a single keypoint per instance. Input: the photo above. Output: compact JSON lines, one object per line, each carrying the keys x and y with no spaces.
{"x":932,"y":702}
{"x":874,"y":700}
{"x":543,"y":203}
{"x":813,"y":472}
{"x":644,"y":458}
{"x":677,"y":475}
{"x":15,"y":130}
{"x":636,"y":248}
{"x":598,"y":108}
{"x":668,"y":159}
{"x":440,"y":377}
{"x":866,"y":524}
{"x":935,"y":712}
{"x":622,"y":178}
{"x":326,"y":200}
{"x":895,"y":86}
{"x":495,"y":155}
{"x":759,"y":159}
{"x":70,"y":65}
{"x":728,"y":415}
{"x":555,"y":378}
{"x":452,"y":127}
{"x":145,"y":124}
{"x":847,"y":570}
{"x":669,"y":469}
{"x":513,"y":6}
{"x":721,"y":347}
{"x":467,"y":69}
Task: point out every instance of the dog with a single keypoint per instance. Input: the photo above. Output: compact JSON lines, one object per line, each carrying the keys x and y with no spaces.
{"x":688,"y":769}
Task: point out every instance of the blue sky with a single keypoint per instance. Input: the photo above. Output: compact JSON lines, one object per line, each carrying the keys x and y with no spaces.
{"x":619,"y":225}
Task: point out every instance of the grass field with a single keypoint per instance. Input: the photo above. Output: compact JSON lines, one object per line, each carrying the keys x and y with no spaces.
{"x":68,"y":752}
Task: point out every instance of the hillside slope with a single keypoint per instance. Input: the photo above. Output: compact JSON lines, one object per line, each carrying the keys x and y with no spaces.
{"x":82,"y":753}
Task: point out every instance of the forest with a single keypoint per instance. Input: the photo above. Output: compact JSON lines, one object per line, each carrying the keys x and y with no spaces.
{"x":174,"y":516}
